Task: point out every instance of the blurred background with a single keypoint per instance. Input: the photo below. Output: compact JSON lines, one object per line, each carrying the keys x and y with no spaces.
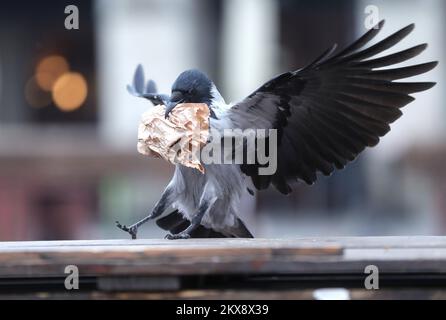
{"x":68,"y":161}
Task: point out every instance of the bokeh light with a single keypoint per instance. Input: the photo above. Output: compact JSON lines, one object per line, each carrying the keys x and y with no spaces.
{"x":49,"y":70}
{"x":70,"y":91}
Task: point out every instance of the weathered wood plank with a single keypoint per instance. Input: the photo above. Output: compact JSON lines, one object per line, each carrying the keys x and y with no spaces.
{"x":146,"y":257}
{"x":220,"y":256}
{"x":289,"y":268}
{"x":345,"y":242}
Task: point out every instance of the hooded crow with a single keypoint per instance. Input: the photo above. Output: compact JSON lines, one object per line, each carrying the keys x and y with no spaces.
{"x":325,"y":114}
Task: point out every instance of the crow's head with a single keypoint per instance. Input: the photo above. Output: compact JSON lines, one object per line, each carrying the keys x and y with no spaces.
{"x":191,"y":86}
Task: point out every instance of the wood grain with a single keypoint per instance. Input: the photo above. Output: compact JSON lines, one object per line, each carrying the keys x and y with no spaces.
{"x":141,"y":268}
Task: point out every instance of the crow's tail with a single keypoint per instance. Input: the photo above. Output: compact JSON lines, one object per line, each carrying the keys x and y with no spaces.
{"x":175,"y":223}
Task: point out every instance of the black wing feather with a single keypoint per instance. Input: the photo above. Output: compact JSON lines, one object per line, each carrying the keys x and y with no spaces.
{"x":331,"y":110}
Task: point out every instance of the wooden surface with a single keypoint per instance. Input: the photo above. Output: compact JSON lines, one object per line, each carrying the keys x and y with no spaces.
{"x":222,"y":268}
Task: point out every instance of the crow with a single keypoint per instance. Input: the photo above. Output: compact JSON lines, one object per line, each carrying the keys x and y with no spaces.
{"x":325,"y":114}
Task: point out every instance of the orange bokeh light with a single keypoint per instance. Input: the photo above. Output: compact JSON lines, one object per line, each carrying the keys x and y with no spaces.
{"x":49,"y":70}
{"x":70,"y":91}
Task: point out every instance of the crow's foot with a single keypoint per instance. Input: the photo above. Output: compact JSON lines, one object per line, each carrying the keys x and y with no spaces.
{"x":181,"y":235}
{"x":132,"y":230}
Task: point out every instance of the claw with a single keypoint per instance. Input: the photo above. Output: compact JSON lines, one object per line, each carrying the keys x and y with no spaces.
{"x":132,"y":230}
{"x":181,"y":235}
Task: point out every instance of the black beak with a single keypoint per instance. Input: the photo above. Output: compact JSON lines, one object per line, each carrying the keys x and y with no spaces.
{"x":169,"y":107}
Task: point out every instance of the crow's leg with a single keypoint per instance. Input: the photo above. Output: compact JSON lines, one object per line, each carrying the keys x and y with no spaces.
{"x":162,"y":204}
{"x":205,"y":206}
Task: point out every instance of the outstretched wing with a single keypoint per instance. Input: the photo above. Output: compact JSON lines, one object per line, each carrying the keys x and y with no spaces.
{"x":329,"y":111}
{"x":139,"y":88}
